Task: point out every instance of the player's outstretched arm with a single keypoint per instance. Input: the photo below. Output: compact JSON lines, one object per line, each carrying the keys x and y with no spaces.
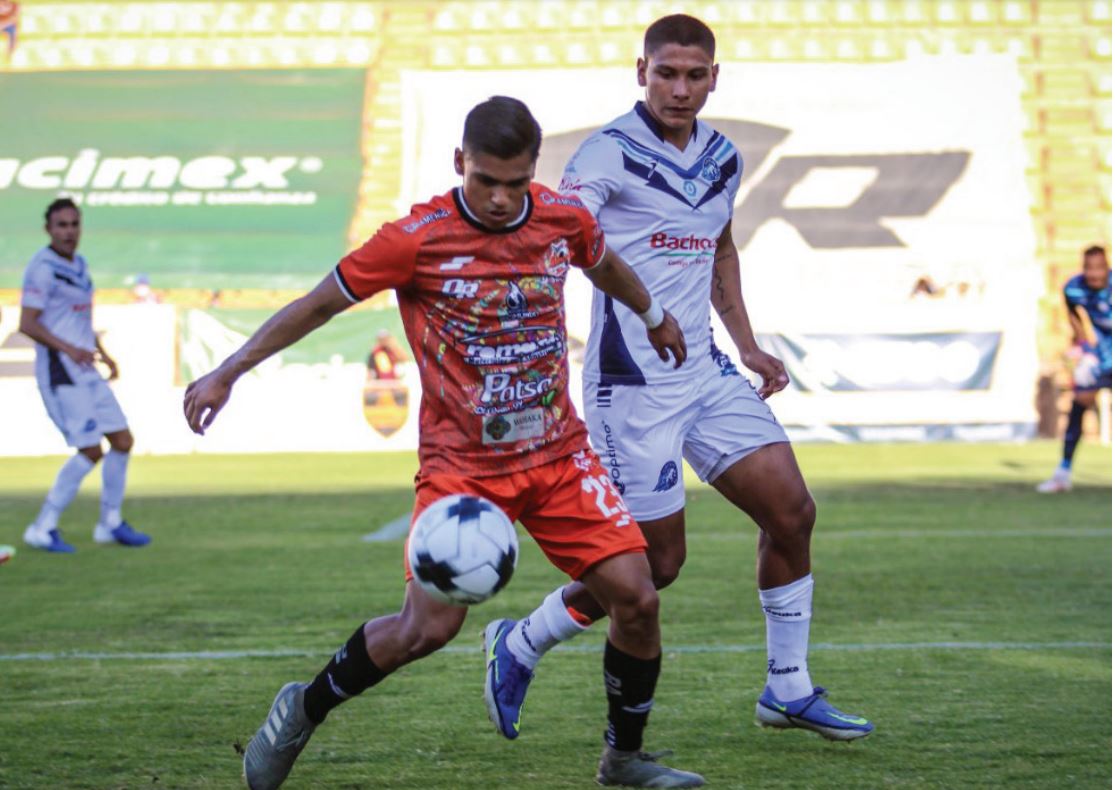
{"x":615,"y":278}
{"x":208,"y":395}
{"x":727,"y":300}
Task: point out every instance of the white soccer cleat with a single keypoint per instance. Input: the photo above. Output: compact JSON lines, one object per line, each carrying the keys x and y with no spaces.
{"x":1058,"y":484}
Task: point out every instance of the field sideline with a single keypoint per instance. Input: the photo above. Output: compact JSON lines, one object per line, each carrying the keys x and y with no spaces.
{"x":968,"y":616}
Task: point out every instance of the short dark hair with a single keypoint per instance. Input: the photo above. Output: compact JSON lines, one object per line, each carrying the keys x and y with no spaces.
{"x":682,"y":29}
{"x":1095,"y":249}
{"x":59,"y":205}
{"x":503,"y":127}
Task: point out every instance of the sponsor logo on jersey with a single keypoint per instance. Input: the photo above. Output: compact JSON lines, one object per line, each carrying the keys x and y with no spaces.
{"x":516,"y":301}
{"x":722,"y":360}
{"x":550,"y":199}
{"x":504,"y":392}
{"x":457,"y":263}
{"x":460,"y":289}
{"x":526,"y":424}
{"x":668,"y":477}
{"x":512,"y":346}
{"x":664,"y":241}
{"x":611,"y":460}
{"x":426,"y":219}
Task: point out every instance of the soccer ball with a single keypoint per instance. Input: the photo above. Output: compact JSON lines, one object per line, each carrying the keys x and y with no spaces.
{"x":462,"y":549}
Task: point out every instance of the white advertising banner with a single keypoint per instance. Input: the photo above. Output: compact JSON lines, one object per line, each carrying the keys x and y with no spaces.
{"x":883,"y":227}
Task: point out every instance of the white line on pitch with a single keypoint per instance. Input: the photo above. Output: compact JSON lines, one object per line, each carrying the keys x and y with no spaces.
{"x":820,"y":533}
{"x":866,"y":647}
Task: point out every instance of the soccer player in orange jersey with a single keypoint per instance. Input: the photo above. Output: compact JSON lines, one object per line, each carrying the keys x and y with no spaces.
{"x":479,"y":274}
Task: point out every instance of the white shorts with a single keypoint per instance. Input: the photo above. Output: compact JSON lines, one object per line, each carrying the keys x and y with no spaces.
{"x":641,"y":434}
{"x":84,"y":409}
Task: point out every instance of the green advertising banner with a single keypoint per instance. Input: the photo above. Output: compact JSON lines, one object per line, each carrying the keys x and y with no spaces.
{"x":210,"y":179}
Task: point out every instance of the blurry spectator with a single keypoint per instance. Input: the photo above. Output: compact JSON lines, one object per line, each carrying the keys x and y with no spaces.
{"x":141,"y":291}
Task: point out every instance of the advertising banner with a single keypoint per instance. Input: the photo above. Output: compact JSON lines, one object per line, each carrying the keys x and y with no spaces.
{"x":883,"y":226}
{"x":205,"y":179}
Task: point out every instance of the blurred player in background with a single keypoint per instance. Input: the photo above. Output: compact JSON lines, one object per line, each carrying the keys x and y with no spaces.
{"x":479,"y":273}
{"x":57,"y":313}
{"x":663,"y":185}
{"x":1089,"y":293}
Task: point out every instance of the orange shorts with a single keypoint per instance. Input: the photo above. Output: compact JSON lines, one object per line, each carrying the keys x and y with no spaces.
{"x":569,"y":506}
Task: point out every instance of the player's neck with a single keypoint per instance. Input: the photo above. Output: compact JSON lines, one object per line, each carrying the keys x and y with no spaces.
{"x":678,"y":138}
{"x":61,"y":254}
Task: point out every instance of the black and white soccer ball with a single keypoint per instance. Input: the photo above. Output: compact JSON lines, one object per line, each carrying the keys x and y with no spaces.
{"x":463,"y":549}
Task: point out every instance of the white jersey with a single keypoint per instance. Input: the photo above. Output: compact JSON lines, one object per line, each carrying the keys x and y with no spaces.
{"x":63,"y":290}
{"x":662,"y":211}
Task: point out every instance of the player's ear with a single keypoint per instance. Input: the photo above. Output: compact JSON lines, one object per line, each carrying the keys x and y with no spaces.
{"x":641,"y":72}
{"x":459,"y":161}
{"x":715,"y":74}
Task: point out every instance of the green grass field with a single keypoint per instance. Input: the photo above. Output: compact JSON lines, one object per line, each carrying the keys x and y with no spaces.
{"x":969,"y":617}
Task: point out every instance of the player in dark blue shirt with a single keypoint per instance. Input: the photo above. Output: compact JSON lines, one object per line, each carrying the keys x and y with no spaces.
{"x":1088,"y":293}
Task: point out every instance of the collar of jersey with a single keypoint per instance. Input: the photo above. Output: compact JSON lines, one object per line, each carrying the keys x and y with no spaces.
{"x":472,"y":219}
{"x":653,"y":124}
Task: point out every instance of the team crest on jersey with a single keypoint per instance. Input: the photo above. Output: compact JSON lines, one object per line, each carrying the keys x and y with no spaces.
{"x":710,"y":169}
{"x":668,"y":477}
{"x":557,"y":258}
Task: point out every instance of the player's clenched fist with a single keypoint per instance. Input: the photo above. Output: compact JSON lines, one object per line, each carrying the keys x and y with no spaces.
{"x":204,"y":398}
{"x":667,"y":338}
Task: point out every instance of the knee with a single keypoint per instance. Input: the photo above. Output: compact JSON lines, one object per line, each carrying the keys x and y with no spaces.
{"x":666,"y":568}
{"x":795,"y":522}
{"x":94,"y":453}
{"x":122,"y":443}
{"x":637,"y":611}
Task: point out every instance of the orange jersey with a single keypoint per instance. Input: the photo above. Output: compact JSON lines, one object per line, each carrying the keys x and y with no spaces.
{"x":484,"y":314}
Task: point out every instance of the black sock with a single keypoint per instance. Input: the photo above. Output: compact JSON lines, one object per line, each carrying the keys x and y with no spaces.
{"x":347,"y":674}
{"x":1072,"y":432}
{"x":630,"y":684}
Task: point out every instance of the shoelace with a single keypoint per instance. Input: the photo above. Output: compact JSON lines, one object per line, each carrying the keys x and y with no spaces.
{"x":653,"y":757}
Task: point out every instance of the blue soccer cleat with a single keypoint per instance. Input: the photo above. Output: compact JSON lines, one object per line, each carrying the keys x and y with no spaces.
{"x":506,"y":682}
{"x":811,"y":713}
{"x":123,"y":534}
{"x":47,"y":540}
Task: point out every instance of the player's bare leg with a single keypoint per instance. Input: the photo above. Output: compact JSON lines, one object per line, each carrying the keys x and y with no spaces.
{"x":375,"y":650}
{"x":1061,"y":480}
{"x":665,"y":554}
{"x":769,"y":487}
{"x":111,"y":526}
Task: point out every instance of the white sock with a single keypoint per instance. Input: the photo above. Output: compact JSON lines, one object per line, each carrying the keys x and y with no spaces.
{"x":114,"y":473}
{"x":788,"y":609}
{"x":64,"y":490}
{"x":543,"y":628}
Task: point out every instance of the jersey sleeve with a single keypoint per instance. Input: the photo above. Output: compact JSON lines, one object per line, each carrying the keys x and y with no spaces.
{"x":38,"y":281}
{"x":589,"y":246}
{"x":593,"y":174}
{"x":387,"y":260}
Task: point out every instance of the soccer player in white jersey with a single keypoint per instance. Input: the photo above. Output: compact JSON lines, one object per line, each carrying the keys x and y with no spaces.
{"x":663,"y":185}
{"x":57,"y":313}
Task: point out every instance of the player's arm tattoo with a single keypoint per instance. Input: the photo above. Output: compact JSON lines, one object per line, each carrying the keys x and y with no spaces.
{"x":718,"y":284}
